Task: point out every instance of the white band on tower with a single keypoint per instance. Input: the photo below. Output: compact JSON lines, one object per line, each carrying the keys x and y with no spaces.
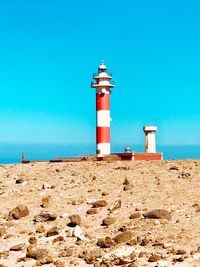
{"x":103,"y":118}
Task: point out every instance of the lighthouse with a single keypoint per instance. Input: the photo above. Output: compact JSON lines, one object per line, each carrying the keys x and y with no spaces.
{"x":103,"y":86}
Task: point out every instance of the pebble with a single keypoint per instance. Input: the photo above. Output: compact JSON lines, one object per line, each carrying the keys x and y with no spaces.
{"x":106,"y":242}
{"x":40,"y":229}
{"x":144,"y":242}
{"x":66,"y":252}
{"x":78,"y":233}
{"x":135,"y":215}
{"x":128,"y":187}
{"x":109,"y":220}
{"x":154,"y":258}
{"x":180,"y":252}
{"x":18,"y":247}
{"x":58,"y":239}
{"x":44,"y":217}
{"x":90,"y":256}
{"x":133,"y":264}
{"x":124,"y":251}
{"x":2,"y":231}
{"x":46,"y":202}
{"x":116,"y":205}
{"x":100,"y":204}
{"x":104,"y":193}
{"x":132,"y":242}
{"x":173,"y":168}
{"x":167,"y":245}
{"x":75,"y":219}
{"x":46,"y":186}
{"x":179,"y":259}
{"x":45,"y":260}
{"x":59,"y":263}
{"x":92,"y":211}
{"x":20,"y":180}
{"x":64,"y":215}
{"x":32,"y":240}
{"x":53,"y":231}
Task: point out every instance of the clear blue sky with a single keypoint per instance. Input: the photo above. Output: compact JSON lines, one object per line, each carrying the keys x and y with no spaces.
{"x":49,"y":50}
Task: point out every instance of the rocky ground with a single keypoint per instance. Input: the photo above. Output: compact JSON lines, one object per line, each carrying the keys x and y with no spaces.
{"x":100,"y":214}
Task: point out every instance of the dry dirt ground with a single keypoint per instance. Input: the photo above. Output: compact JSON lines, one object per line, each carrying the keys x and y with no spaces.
{"x":55,"y":191}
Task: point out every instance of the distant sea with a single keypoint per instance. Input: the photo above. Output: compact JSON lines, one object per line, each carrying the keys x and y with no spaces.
{"x":11,"y":153}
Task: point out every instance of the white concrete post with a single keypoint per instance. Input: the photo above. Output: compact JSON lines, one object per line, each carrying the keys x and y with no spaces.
{"x":150,"y":132}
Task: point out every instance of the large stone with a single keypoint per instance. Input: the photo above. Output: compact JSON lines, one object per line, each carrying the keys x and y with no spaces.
{"x":123,"y":237}
{"x":158,"y":214}
{"x":36,"y":253}
{"x":18,"y":212}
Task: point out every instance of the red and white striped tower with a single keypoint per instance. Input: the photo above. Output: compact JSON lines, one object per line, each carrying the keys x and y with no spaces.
{"x":103,"y":86}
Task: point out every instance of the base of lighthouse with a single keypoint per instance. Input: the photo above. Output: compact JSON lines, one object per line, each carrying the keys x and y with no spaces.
{"x":103,"y":149}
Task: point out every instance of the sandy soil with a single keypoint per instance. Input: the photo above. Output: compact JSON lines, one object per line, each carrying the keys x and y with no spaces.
{"x":127,"y":188}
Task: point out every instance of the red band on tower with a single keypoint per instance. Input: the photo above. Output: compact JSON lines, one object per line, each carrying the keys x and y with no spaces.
{"x":102,"y":101}
{"x":103,"y":135}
